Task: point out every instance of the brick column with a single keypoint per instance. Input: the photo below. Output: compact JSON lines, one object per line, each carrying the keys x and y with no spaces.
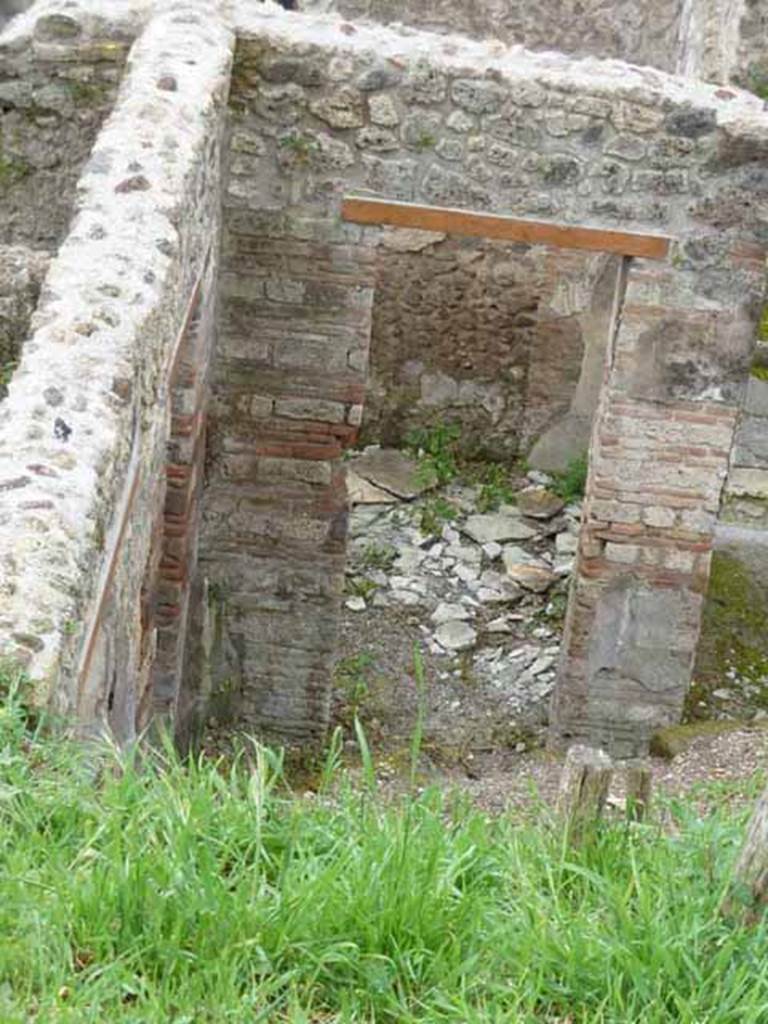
{"x":294,"y":332}
{"x":660,"y":450}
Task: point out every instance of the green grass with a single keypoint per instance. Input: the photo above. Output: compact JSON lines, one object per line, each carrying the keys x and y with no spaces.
{"x":199,"y":892}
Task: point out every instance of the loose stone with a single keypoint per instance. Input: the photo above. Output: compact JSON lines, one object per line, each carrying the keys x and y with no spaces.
{"x":497,"y":528}
{"x":456,"y":636}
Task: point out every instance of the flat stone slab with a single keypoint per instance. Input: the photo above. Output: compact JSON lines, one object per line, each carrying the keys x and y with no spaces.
{"x":362,"y":492}
{"x":391,"y":470}
{"x":456,"y":636}
{"x":496,"y":528}
{"x":450,"y":613}
{"x":539,"y":503}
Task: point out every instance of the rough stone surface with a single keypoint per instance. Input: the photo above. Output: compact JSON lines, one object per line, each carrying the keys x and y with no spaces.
{"x":21,"y":276}
{"x":644,"y":34}
{"x":491,"y":337}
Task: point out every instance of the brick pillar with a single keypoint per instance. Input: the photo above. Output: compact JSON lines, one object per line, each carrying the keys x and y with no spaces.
{"x":294,"y":331}
{"x":659,"y":457}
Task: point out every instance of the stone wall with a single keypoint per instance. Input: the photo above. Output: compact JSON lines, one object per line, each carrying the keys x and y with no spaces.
{"x":734,"y":646}
{"x":58,"y":81}
{"x":487,"y":335}
{"x":21,"y":276}
{"x":641,"y":33}
{"x":98,"y":396}
{"x":318,"y":111}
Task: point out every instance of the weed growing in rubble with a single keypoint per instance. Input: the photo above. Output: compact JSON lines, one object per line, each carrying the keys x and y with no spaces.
{"x":378,"y":556}
{"x":495,"y":487}
{"x":434,"y":514}
{"x":175,"y":891}
{"x":571,"y":482}
{"x":436,"y":449}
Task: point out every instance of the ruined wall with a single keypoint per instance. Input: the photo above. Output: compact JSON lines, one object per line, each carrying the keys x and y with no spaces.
{"x":321,"y":111}
{"x":58,"y":81}
{"x":641,"y":33}
{"x":733,"y":654}
{"x":487,"y":335}
{"x":84,"y":432}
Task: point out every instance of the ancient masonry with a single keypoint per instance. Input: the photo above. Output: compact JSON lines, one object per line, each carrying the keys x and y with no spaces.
{"x":186,"y":315}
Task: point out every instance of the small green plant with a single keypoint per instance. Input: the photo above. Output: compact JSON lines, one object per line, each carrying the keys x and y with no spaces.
{"x":495,"y":488}
{"x":426,"y":141}
{"x":303,"y":147}
{"x":352,"y":677}
{"x":570,"y":483}
{"x":378,"y":556}
{"x":436,"y":448}
{"x":361,"y":586}
{"x":434,"y":514}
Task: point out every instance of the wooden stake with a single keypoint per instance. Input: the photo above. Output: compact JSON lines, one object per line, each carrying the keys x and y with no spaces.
{"x":639,"y":789}
{"x":583,"y":789}
{"x":748,"y":895}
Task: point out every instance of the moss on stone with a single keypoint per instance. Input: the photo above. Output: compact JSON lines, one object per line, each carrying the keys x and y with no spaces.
{"x":734,"y":635}
{"x":676,"y":739}
{"x":762,"y":331}
{"x":11,"y":171}
{"x":88,"y":94}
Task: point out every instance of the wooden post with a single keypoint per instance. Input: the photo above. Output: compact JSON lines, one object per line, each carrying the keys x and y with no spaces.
{"x":583,"y":789}
{"x":639,"y":789}
{"x":748,"y":895}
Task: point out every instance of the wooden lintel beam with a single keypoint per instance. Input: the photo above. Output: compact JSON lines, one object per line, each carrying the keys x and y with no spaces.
{"x":358,"y":210}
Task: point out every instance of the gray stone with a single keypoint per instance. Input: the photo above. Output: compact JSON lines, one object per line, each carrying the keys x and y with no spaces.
{"x":497,"y":528}
{"x":539,"y":503}
{"x":492,"y":550}
{"x":342,"y":109}
{"x":566,"y":543}
{"x":450,"y":613}
{"x":456,"y":636}
{"x":362,"y":492}
{"x":501,"y":625}
{"x":355,"y":604}
{"x":477,"y":96}
{"x":391,"y":470}
{"x":383,"y":111}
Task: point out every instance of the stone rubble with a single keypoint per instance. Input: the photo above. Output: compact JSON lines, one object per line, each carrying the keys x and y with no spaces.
{"x":473,"y":595}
